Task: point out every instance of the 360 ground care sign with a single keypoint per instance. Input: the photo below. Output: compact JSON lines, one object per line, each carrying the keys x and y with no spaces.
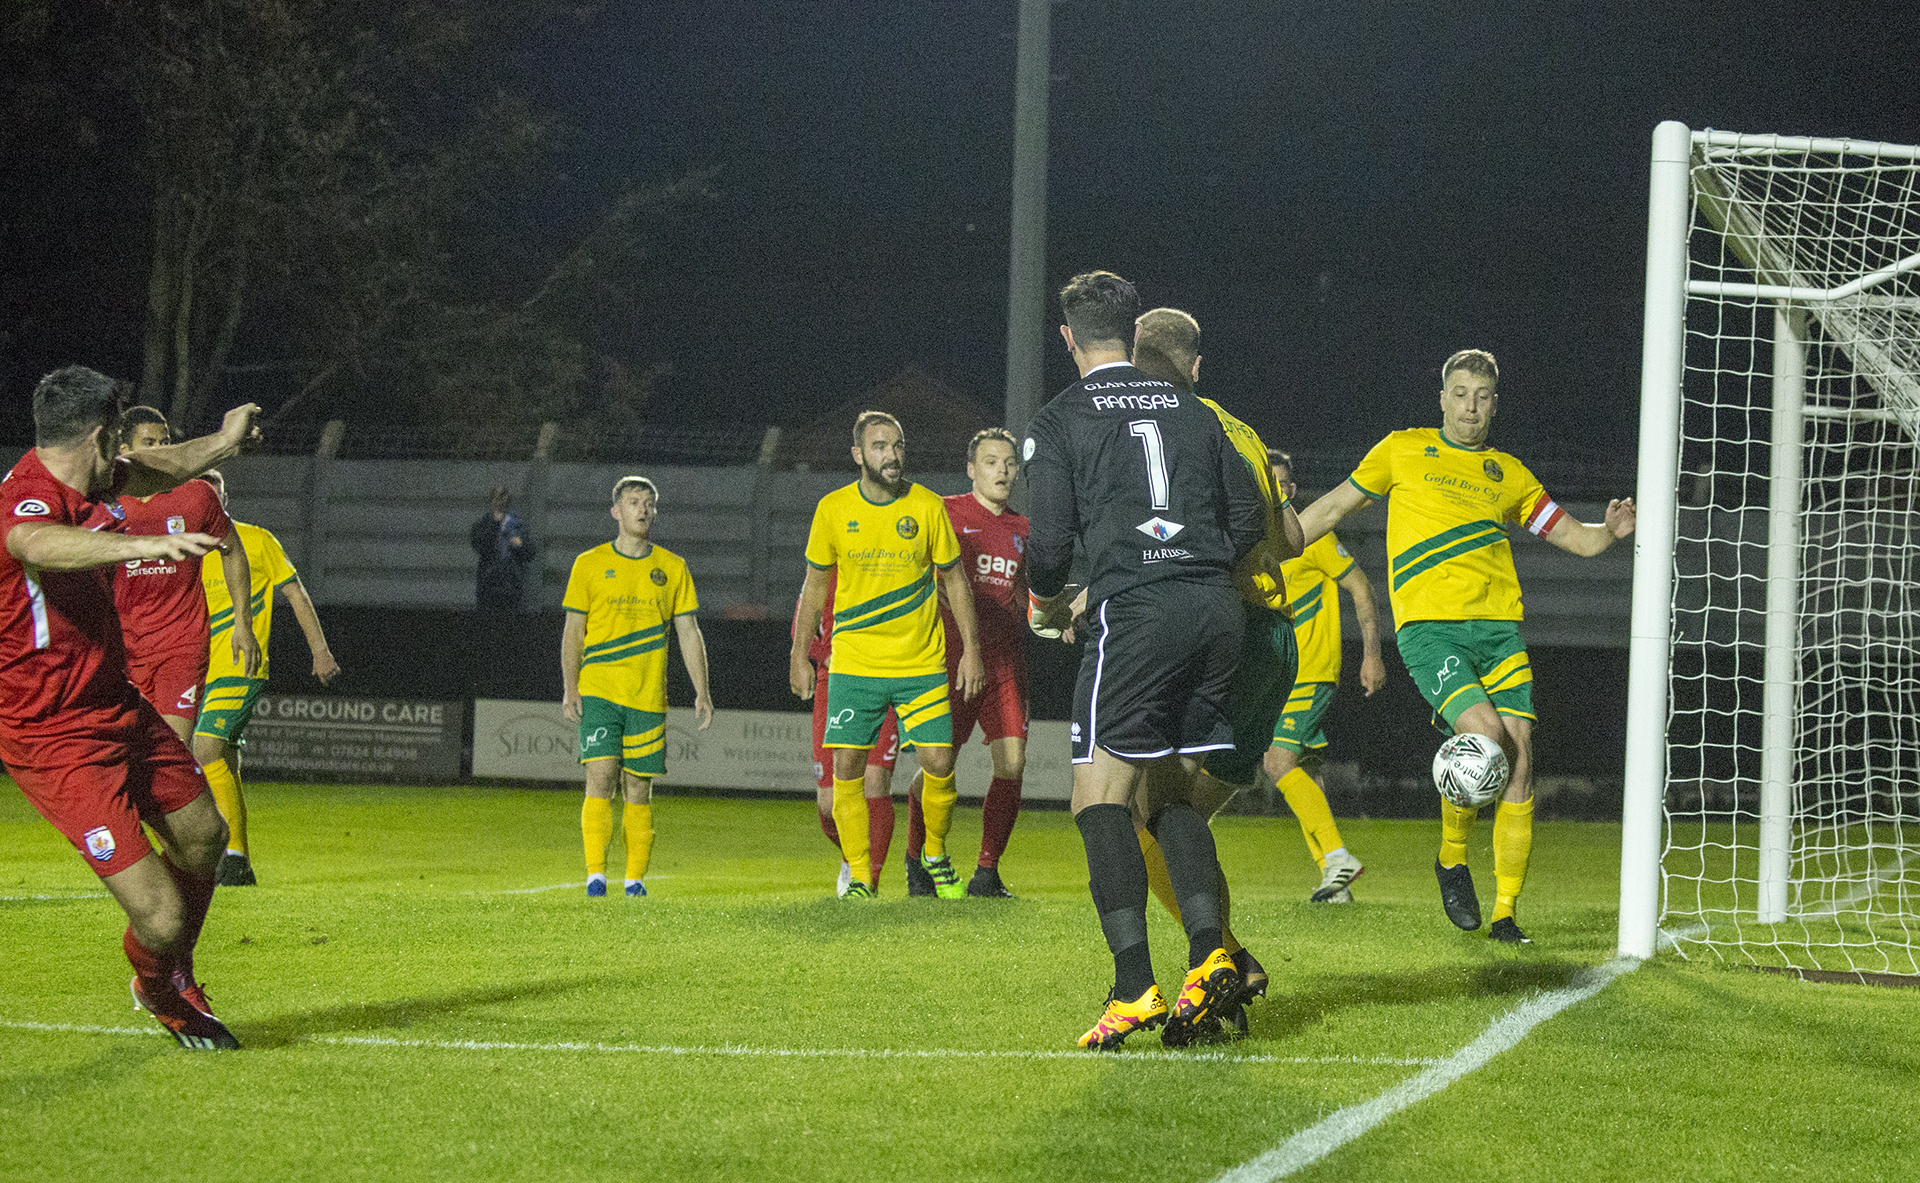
{"x":357,"y":738}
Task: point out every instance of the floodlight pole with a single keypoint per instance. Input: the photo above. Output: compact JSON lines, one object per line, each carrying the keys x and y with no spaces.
{"x":1662,"y":370}
{"x":1027,"y":253}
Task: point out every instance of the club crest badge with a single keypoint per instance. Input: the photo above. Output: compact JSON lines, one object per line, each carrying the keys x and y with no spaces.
{"x":658,"y":576}
{"x":99,"y":843}
{"x":113,"y":508}
{"x":907,"y":527}
{"x":176,"y":525}
{"x":1492,"y":469}
{"x":1019,"y":545}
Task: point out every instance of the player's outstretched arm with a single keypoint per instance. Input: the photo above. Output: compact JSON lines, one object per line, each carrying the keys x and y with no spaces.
{"x":239,"y":576}
{"x":806,"y":622}
{"x":1587,"y":539}
{"x":693,"y":650}
{"x":1326,"y":513}
{"x":1292,"y":533}
{"x":155,"y":470}
{"x":573,"y":644}
{"x":51,"y":546}
{"x":325,"y":667}
{"x":972,"y":673}
{"x":1373,"y":670}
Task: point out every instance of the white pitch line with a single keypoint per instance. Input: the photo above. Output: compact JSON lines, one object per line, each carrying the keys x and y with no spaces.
{"x":19,"y":899}
{"x":745,"y":1052}
{"x":1317,"y":1141}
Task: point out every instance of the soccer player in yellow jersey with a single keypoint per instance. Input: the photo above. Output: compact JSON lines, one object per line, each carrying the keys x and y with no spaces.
{"x":1456,"y":601}
{"x":1313,"y":584}
{"x":622,"y":598}
{"x":1166,"y":345}
{"x":227,"y":706}
{"x":884,"y":537}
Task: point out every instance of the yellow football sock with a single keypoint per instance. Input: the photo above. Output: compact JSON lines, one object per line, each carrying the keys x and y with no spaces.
{"x":937,"y":796}
{"x":850,"y":818}
{"x":596,"y":832}
{"x":636,"y":825}
{"x":1309,"y":804}
{"x":1157,"y":877}
{"x":1455,"y":825}
{"x":1512,"y":845}
{"x":232,"y":806}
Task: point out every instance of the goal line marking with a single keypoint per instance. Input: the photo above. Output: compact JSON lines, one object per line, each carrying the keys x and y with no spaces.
{"x":744,"y":1051}
{"x":1317,"y":1141}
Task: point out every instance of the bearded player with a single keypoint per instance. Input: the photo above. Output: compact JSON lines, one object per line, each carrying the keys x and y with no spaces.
{"x":993,"y":552}
{"x":885,"y":538}
{"x":93,"y":757}
{"x":1456,"y":602}
{"x":163,"y":611}
{"x":878,"y":778}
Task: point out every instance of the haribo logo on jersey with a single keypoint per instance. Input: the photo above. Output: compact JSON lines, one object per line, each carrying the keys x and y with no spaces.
{"x":907,"y":527}
{"x":99,"y":843}
{"x":32,"y":507}
{"x":658,"y":576}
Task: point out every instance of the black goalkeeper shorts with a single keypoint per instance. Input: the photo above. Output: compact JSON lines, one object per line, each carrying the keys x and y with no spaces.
{"x":1155,"y":672}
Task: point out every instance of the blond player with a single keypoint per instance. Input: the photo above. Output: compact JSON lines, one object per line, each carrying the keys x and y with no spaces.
{"x":227,"y":706}
{"x":622,"y":598}
{"x":1456,"y":602}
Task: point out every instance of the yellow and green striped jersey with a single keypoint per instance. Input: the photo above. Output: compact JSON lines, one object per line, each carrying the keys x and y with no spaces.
{"x":1447,"y":552}
{"x":268,"y":561}
{"x":629,"y":602}
{"x":1313,"y":591}
{"x":1257,"y":576}
{"x":886,"y":615}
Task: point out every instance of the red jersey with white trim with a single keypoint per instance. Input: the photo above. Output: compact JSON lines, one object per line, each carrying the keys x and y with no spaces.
{"x":163,"y":608}
{"x":60,"y":646}
{"x":993,"y":553}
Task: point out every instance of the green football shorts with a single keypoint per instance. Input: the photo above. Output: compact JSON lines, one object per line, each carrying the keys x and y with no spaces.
{"x":638,"y":739}
{"x":1299,"y":726}
{"x":1269,"y":658}
{"x":857,"y":703}
{"x":227,"y":707}
{"x":1457,"y":663}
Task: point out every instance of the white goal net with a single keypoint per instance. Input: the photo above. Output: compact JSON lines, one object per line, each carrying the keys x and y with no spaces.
{"x":1792,"y":759}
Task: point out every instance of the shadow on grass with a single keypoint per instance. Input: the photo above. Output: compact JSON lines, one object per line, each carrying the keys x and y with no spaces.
{"x":1289,"y":1011}
{"x":107,"y":1072}
{"x":400,"y":1013}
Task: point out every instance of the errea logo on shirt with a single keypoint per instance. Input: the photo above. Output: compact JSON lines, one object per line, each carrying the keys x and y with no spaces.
{"x":32,"y":507}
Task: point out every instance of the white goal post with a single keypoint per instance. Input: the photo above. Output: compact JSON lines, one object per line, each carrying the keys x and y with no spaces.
{"x":1772,"y":803}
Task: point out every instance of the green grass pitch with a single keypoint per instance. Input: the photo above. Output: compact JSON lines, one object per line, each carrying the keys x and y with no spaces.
{"x":414,"y":1009}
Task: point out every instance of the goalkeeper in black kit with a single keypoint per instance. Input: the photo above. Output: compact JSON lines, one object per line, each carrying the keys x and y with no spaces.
{"x":1142,"y":476}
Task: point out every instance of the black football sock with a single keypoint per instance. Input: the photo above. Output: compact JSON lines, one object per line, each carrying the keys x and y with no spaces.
{"x":1194,"y":868}
{"x":1117,"y":876}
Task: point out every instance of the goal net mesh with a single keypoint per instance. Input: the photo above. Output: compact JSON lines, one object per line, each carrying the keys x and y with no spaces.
{"x":1841,"y":228}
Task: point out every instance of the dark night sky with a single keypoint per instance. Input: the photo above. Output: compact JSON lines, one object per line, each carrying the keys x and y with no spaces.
{"x":1342,"y":193}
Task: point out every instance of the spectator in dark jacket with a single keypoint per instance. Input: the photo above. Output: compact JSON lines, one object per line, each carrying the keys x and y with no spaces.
{"x":505,"y":549}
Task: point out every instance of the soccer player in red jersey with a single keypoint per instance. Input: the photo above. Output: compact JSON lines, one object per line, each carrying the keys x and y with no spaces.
{"x":881,"y":758}
{"x":162,"y":605}
{"x":91,"y":755}
{"x":993,"y":547}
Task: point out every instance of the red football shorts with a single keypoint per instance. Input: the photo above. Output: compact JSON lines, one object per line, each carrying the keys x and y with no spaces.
{"x":1000,"y":708}
{"x":171,"y":683}
{"x":884,"y":752}
{"x":97,"y":774}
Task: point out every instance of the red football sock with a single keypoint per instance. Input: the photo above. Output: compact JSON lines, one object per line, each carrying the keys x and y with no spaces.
{"x":879,"y":833}
{"x":997,"y":814}
{"x":147,"y":964}
{"x":829,"y":829}
{"x":916,"y":824}
{"x":196,"y":896}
